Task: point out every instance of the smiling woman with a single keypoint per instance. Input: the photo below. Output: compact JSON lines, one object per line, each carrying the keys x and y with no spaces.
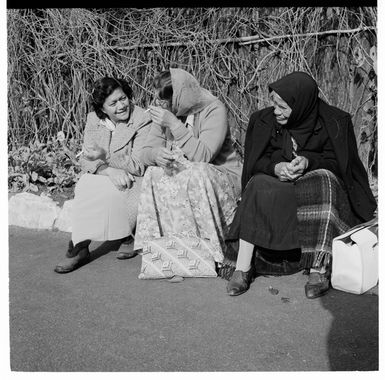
{"x":106,"y":196}
{"x":117,"y":106}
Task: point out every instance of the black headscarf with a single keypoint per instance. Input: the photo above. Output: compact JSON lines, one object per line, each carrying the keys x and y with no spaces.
{"x":300,"y":91}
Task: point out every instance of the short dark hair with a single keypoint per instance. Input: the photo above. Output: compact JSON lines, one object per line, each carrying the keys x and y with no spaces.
{"x":162,"y":82}
{"x":103,"y":88}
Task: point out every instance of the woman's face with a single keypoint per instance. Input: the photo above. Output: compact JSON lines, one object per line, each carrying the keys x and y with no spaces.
{"x":117,"y":106}
{"x":165,"y":104}
{"x":282,"y":111}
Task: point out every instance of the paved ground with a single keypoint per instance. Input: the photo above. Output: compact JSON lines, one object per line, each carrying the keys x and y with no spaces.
{"x":103,"y":318}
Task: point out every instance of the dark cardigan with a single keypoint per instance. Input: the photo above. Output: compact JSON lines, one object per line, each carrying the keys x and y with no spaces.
{"x":339,"y":127}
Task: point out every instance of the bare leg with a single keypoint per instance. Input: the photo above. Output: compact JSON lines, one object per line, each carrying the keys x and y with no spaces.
{"x":245,"y":254}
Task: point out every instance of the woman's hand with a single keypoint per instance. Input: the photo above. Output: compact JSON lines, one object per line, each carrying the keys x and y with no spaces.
{"x":163,"y":117}
{"x":290,"y":171}
{"x":285,"y":172}
{"x":299,"y":165}
{"x":94,"y":152}
{"x":164,"y":157}
{"x":120,"y":178}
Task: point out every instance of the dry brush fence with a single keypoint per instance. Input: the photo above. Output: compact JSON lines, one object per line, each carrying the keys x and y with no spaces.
{"x":54,"y":55}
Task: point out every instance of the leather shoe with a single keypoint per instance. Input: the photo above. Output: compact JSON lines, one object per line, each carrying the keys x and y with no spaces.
{"x":317,"y":285}
{"x":74,"y":250}
{"x":126,"y":250}
{"x":71,"y":263}
{"x":124,"y":254}
{"x":239,"y":283}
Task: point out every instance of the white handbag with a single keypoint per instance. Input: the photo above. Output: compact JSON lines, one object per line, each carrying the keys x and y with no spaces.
{"x":355,"y":259}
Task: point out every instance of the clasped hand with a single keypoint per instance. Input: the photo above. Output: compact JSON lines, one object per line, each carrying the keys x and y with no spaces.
{"x":120,"y":178}
{"x":163,"y":117}
{"x":290,"y":171}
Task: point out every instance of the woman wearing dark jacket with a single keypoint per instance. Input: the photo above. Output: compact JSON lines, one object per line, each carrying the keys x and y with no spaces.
{"x":302,"y":183}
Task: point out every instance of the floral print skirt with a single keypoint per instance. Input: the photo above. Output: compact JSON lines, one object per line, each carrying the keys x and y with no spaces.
{"x":198,"y":200}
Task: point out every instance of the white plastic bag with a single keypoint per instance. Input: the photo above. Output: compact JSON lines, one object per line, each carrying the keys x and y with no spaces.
{"x":355,"y":259}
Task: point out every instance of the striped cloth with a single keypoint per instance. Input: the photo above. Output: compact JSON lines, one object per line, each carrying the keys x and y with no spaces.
{"x":323,"y":212}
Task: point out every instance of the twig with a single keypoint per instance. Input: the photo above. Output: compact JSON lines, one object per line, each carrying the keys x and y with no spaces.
{"x":344,"y":31}
{"x":241,"y":40}
{"x":179,"y":44}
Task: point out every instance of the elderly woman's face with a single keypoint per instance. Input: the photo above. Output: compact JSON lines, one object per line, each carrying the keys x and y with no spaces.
{"x":117,"y":106}
{"x":282,"y":111}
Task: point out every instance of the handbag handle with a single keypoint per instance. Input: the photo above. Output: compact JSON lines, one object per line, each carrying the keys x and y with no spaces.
{"x":371,"y":223}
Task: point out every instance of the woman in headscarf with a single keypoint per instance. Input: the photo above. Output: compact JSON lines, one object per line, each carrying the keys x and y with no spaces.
{"x":194,"y":177}
{"x":106,"y":195}
{"x":302,"y":185}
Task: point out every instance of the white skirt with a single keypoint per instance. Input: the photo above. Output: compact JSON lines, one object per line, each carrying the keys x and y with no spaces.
{"x":102,"y":212}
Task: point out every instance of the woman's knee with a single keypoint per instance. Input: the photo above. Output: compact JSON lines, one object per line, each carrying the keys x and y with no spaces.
{"x":320,"y":173}
{"x":263,"y":182}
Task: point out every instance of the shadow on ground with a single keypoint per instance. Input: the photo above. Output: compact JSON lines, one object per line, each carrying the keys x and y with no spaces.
{"x":101,"y":317}
{"x":352,"y":340}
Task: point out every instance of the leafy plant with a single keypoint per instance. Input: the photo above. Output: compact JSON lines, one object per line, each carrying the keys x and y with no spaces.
{"x":51,"y":166}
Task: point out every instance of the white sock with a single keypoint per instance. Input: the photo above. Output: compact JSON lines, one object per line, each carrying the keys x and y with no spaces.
{"x":318,"y":270}
{"x":245,"y":255}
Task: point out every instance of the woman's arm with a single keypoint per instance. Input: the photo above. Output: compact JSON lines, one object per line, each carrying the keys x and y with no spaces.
{"x":155,"y":140}
{"x":212,"y":134}
{"x":324,"y":160}
{"x":90,"y":140}
{"x":265,"y":164}
{"x":129,"y":158}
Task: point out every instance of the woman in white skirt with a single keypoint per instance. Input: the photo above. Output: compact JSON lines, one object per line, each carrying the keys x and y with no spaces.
{"x":107,"y":194}
{"x":192,"y":183}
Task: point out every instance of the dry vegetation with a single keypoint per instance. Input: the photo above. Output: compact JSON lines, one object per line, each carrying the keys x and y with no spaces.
{"x":54,"y":55}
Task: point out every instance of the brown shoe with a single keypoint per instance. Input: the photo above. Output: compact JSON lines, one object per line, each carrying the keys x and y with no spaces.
{"x":239,"y":283}
{"x":317,"y":285}
{"x":76,"y":256}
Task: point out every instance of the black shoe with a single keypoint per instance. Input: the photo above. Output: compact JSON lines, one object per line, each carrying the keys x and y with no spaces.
{"x":76,"y":256}
{"x":239,"y":283}
{"x":126,"y":250}
{"x":74,"y":250}
{"x":317,"y":285}
{"x":129,"y":254}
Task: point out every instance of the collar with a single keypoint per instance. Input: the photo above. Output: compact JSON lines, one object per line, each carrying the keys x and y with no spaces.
{"x":190,"y":122}
{"x":107,"y":123}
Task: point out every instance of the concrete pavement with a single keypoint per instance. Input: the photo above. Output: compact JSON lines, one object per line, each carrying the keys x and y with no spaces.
{"x":101,"y":317}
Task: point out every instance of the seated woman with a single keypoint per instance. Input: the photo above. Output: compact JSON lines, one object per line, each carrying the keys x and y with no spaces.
{"x":194,"y":177}
{"x":303,"y":184}
{"x":107,"y":194}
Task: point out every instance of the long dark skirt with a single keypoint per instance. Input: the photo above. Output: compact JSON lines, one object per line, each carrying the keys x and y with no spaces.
{"x":282,"y":217}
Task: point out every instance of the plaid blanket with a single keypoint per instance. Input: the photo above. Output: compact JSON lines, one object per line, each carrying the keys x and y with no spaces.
{"x":323,"y":212}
